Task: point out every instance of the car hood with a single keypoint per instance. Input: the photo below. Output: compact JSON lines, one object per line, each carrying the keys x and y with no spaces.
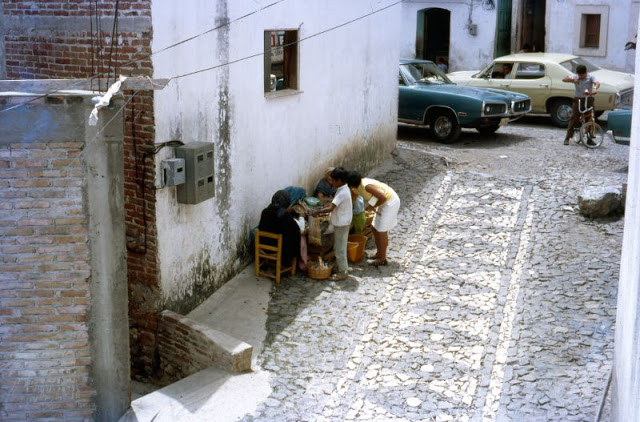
{"x":462,"y":77}
{"x":486,"y":94}
{"x":619,"y":80}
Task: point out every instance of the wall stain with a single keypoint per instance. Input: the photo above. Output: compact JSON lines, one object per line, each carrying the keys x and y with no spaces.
{"x":223,"y":141}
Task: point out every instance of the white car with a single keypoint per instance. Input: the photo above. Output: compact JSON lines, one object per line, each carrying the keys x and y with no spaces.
{"x":539,"y":75}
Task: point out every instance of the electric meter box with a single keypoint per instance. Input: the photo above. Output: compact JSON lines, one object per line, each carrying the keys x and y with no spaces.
{"x":199,"y":172}
{"x":173,"y":171}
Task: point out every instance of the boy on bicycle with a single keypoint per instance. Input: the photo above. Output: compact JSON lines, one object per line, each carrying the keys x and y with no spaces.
{"x":586,"y":86}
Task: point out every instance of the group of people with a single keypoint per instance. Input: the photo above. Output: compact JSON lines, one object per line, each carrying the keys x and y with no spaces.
{"x":345,"y":193}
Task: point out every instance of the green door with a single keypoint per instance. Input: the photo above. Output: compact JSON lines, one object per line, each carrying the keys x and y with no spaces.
{"x":503,"y":30}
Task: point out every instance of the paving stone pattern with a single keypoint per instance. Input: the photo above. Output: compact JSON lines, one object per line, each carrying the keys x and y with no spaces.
{"x":498,"y":303}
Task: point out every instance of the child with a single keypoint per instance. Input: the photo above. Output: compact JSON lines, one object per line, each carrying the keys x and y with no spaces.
{"x":341,"y":209}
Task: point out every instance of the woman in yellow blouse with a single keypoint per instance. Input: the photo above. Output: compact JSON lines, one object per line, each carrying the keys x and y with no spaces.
{"x":386,"y":203}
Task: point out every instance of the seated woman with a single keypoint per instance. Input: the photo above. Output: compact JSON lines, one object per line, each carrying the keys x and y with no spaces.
{"x":276,"y":219}
{"x":324,"y":189}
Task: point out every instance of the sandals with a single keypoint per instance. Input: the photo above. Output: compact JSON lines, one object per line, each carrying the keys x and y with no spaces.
{"x":339,"y":276}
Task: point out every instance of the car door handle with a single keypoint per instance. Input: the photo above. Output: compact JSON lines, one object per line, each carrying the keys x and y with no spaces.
{"x":545,"y":85}
{"x":504,"y":85}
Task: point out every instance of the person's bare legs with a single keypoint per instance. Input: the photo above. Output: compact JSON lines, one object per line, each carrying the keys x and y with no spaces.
{"x":382,"y":241}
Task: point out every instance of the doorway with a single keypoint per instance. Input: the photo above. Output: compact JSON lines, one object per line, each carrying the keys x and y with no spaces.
{"x":532,"y":25}
{"x":432,"y":37}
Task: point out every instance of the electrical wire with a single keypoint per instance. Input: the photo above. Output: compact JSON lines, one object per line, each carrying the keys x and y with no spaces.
{"x":94,"y":54}
{"x":113,"y":42}
{"x":233,"y":61}
{"x":289,"y":44}
{"x":146,"y":56}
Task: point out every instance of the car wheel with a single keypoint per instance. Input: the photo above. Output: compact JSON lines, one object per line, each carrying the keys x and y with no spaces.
{"x":444,"y":126}
{"x":561,"y":112}
{"x":488,"y":130}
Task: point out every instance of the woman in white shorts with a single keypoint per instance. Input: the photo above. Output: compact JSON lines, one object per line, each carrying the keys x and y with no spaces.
{"x":386,"y":203}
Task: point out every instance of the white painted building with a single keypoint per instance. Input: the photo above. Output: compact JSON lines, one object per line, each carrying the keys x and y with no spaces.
{"x":336,"y":104}
{"x":468,"y":34}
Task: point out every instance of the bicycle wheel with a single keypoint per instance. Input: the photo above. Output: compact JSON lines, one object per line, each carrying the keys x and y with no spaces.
{"x":592,"y":134}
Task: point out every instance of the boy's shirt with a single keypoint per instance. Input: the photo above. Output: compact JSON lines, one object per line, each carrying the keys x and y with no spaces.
{"x":343,"y":212}
{"x":585,"y":84}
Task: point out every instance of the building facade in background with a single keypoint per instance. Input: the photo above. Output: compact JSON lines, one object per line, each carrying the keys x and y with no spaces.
{"x":470,"y":34}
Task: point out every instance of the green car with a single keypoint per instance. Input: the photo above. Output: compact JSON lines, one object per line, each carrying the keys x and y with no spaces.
{"x":619,"y":123}
{"x":427,"y":97}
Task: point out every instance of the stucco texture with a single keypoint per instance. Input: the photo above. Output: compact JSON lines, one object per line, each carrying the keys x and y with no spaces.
{"x":344,"y":113}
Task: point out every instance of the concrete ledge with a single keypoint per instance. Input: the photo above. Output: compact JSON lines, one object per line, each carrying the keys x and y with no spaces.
{"x":186,"y":346}
{"x":209,"y":395}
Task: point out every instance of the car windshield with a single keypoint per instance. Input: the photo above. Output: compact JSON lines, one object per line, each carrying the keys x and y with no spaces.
{"x":423,"y":73}
{"x":572,"y":64}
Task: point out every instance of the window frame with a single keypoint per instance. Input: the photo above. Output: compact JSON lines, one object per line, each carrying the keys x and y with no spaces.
{"x":580,"y":33}
{"x":289,"y":38}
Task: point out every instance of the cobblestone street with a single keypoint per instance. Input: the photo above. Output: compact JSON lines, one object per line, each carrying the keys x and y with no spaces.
{"x":498,"y":303}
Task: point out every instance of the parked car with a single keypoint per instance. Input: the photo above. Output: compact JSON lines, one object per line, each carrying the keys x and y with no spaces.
{"x":619,"y":123}
{"x":428,"y":97}
{"x":539,"y":75}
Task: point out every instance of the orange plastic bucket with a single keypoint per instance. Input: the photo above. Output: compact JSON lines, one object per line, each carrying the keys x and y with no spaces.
{"x":352,"y":251}
{"x":361,"y":240}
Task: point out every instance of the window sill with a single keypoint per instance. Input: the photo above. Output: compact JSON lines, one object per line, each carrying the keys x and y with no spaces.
{"x":590,"y":52}
{"x":282,"y":93}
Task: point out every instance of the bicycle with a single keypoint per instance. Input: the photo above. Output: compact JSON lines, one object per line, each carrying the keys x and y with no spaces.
{"x":591,"y":134}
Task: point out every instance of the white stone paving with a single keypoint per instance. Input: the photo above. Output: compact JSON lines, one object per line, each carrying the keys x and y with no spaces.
{"x":498,"y":305}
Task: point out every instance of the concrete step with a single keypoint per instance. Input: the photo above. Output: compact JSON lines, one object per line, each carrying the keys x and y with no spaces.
{"x":209,"y":395}
{"x":238,"y":309}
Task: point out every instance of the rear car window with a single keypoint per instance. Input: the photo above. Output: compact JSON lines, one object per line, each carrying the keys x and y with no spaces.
{"x":530,"y":71}
{"x":572,"y":64}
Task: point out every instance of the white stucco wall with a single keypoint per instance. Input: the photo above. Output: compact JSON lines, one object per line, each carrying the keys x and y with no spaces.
{"x":626,"y":381}
{"x":344,"y":113}
{"x":465,"y":51}
{"x":563,"y":28}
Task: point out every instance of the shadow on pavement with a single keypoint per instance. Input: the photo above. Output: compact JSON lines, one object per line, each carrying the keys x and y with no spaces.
{"x":468,"y":138}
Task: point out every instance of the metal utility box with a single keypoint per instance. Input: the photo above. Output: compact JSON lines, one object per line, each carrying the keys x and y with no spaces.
{"x":199,"y":171}
{"x":173,"y":172}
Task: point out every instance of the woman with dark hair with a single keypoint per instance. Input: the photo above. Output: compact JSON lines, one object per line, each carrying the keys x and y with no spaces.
{"x":385,"y":202}
{"x":277,"y":219}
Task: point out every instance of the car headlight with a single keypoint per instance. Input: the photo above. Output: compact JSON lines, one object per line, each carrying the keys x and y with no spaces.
{"x":494,"y":109}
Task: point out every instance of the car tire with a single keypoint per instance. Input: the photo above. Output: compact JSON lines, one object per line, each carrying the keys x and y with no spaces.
{"x":487,"y":130}
{"x":444,"y":126}
{"x":561,"y":112}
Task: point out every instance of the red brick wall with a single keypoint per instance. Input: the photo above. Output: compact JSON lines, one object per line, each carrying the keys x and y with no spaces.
{"x":56,"y":50}
{"x":44,"y":289}
{"x":186,"y":346}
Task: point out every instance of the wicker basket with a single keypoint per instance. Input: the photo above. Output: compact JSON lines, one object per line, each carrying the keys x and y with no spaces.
{"x":319,"y":273}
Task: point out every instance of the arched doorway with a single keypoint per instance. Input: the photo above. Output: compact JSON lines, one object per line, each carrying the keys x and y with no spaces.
{"x":432,"y":37}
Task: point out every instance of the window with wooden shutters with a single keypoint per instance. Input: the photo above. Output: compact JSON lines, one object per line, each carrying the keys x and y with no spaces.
{"x":591,"y":31}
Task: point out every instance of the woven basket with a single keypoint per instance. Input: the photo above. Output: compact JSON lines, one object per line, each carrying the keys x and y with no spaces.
{"x":319,"y":273}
